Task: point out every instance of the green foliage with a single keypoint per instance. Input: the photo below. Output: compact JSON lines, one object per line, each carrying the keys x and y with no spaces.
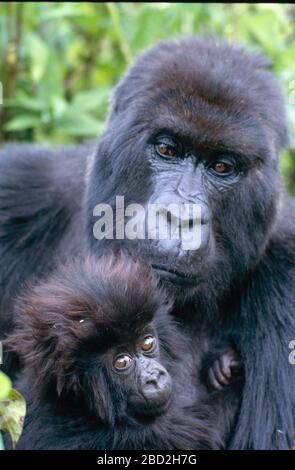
{"x":5,"y":386}
{"x":60,"y":60}
{"x":12,"y":410}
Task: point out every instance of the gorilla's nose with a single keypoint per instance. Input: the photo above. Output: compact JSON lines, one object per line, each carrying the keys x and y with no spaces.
{"x":156,"y":387}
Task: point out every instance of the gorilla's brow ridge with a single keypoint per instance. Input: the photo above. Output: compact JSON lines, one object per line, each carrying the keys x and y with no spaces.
{"x":234,"y":143}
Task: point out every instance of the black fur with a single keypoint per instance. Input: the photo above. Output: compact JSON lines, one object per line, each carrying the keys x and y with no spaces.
{"x":39,"y":210}
{"x":67,"y":331}
{"x":230,"y":101}
{"x":218,"y":94}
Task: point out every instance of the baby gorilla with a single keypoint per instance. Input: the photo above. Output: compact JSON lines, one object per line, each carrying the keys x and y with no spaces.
{"x":106,"y":367}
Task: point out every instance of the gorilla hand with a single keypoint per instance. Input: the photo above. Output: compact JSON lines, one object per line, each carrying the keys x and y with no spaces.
{"x":226,"y":368}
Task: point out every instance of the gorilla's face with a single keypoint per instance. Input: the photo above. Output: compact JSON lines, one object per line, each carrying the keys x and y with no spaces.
{"x":135,"y":369}
{"x":195,"y":123}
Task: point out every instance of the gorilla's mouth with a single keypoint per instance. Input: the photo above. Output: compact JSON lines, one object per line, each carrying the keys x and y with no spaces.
{"x":146,"y":410}
{"x":175,"y":276}
{"x":151,"y":410}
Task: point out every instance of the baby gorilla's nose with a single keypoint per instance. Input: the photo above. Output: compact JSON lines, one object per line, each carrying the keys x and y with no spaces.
{"x":151,"y":392}
{"x":156,"y":387}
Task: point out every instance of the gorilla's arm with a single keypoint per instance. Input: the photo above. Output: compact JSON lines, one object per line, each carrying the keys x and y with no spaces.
{"x":267,"y":416}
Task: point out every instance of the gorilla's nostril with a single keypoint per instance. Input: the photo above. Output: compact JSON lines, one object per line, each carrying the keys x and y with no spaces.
{"x":151,"y":381}
{"x":157,"y":388}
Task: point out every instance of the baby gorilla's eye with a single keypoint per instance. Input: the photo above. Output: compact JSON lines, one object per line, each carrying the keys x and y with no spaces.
{"x":148,"y":344}
{"x":122,"y":362}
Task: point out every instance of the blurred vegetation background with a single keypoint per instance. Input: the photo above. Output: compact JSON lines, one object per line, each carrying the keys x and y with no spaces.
{"x":59,"y":60}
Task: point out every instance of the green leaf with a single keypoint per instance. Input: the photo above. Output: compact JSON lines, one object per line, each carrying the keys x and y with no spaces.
{"x":38,"y":53}
{"x":12,"y":415}
{"x":27,"y":102}
{"x":90,"y":100}
{"x":22,"y":122}
{"x":59,"y":106}
{"x":79,"y":124}
{"x":64,"y":11}
{"x":5,"y":386}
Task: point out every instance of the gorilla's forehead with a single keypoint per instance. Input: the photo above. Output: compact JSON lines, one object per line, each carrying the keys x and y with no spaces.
{"x":212,"y":92}
{"x":213,"y":71}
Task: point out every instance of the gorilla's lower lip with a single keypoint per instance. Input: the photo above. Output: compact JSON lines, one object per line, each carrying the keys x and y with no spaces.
{"x":175,"y":276}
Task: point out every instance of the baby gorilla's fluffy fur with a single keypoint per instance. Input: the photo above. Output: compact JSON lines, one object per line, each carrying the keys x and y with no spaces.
{"x":70,"y":329}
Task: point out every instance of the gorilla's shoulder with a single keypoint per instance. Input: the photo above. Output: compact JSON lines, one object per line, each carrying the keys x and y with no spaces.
{"x":26,"y":169}
{"x":41,"y":191}
{"x":36,"y":179}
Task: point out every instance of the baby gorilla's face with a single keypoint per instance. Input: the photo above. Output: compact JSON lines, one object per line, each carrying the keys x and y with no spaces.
{"x":135,"y":367}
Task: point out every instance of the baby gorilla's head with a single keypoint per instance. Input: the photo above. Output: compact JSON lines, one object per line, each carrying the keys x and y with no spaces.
{"x":97,"y":335}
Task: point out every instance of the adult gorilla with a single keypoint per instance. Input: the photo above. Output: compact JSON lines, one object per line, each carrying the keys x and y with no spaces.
{"x":194,"y":121}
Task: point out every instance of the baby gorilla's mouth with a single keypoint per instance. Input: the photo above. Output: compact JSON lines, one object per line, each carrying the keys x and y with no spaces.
{"x":154,"y":396}
{"x":143,"y":410}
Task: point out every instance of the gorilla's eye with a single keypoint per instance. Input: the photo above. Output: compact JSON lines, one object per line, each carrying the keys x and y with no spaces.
{"x":222,"y":167}
{"x":167,"y":148}
{"x":148,"y":344}
{"x":122,"y":362}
